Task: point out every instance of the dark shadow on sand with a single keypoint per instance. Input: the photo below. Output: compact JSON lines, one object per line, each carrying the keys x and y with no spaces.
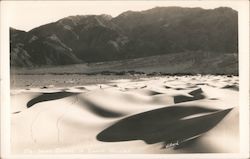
{"x":232,"y":87}
{"x":49,"y":96}
{"x":163,"y":125}
{"x":197,"y":94}
{"x":153,"y":93}
{"x":98,"y":110}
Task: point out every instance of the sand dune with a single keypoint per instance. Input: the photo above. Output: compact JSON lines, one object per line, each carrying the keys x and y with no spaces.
{"x":163,"y":125}
{"x":185,"y":114}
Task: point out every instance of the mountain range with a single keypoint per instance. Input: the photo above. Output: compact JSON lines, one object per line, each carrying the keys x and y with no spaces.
{"x":132,"y":34}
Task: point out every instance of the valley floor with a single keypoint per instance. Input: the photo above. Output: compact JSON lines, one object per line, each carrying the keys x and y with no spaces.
{"x":64,"y":80}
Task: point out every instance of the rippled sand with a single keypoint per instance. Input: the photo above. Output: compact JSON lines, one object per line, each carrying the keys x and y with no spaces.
{"x":170,"y":114}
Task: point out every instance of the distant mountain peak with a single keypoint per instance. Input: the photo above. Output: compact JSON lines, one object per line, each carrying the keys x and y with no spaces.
{"x":132,"y":34}
{"x":128,"y":13}
{"x":106,"y":16}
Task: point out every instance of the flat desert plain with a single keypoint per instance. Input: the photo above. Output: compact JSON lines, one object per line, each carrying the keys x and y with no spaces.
{"x":77,"y":114}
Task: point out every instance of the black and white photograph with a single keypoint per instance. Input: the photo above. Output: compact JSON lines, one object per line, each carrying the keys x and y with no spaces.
{"x":96,"y":78}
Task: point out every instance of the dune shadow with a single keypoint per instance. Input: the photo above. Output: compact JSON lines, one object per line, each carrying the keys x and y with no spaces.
{"x":81,"y":88}
{"x":153,"y":93}
{"x":232,"y":87}
{"x":98,"y":110}
{"x":16,"y":112}
{"x":49,"y":96}
{"x":196,"y":95}
{"x":167,"y":87}
{"x":201,"y":83}
{"x":163,"y":125}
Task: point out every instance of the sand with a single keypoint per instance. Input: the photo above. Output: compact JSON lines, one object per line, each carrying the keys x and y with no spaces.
{"x":167,"y":114}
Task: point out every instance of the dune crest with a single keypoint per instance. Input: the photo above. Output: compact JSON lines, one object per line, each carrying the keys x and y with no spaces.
{"x":185,"y":114}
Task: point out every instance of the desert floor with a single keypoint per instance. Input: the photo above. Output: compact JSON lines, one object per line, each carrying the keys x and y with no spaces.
{"x":83,"y":114}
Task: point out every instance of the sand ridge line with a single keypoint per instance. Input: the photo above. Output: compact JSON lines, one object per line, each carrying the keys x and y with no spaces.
{"x":147,"y":116}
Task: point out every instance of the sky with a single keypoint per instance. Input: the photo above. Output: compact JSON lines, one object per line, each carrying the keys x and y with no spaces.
{"x":26,"y":15}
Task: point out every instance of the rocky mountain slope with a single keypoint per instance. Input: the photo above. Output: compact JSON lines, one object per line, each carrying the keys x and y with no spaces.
{"x":100,"y":38}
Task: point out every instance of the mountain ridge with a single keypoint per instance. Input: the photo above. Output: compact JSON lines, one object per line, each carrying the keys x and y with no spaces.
{"x":132,"y":34}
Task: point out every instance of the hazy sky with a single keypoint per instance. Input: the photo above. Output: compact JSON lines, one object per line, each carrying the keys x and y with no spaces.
{"x":26,"y":15}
